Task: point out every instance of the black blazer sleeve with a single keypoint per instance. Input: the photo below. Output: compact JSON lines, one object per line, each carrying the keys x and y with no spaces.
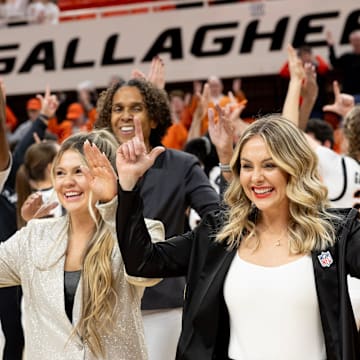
{"x":141,"y":256}
{"x":353,"y":249}
{"x":200,"y":194}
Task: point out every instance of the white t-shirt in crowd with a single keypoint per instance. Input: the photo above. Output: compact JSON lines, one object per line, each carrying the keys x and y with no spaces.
{"x":341,"y":175}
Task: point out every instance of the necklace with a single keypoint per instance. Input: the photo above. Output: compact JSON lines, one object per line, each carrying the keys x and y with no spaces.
{"x":277,"y":242}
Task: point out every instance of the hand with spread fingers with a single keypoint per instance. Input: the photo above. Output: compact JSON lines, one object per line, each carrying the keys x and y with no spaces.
{"x":221,"y":131}
{"x":156,"y":73}
{"x":133,"y":160}
{"x":343,"y":103}
{"x":35,"y":208}
{"x":296,"y":66}
{"x":100,"y":173}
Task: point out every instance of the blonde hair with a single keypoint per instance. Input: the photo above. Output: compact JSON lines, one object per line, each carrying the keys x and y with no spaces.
{"x":308,"y":226}
{"x":99,"y":297}
{"x":352,"y":132}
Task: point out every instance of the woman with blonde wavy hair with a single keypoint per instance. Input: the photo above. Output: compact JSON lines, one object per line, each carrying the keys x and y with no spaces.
{"x":79,"y":302}
{"x":266,"y":274}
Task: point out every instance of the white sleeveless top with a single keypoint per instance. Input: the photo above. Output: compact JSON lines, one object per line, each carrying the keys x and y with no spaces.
{"x":274,"y":311}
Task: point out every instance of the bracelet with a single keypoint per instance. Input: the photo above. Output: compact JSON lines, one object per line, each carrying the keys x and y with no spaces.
{"x":225,"y":167}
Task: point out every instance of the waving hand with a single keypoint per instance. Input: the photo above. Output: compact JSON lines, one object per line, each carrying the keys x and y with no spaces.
{"x":133,"y":160}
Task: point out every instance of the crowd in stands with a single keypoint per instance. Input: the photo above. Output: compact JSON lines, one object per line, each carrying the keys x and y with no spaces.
{"x":179,"y":189}
{"x":21,"y":12}
{"x":18,"y":12}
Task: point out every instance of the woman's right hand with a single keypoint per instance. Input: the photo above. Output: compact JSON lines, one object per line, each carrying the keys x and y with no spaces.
{"x":133,"y":160}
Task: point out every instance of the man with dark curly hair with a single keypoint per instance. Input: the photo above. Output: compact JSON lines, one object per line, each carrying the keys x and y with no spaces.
{"x":175,"y":182}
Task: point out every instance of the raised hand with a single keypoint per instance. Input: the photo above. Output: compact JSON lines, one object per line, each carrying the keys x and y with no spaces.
{"x":133,"y":160}
{"x":100,"y":173}
{"x":297,"y":75}
{"x":309,"y":92}
{"x":236,"y":86}
{"x":49,"y":103}
{"x":343,"y":103}
{"x":310,"y":87}
{"x":296,"y":67}
{"x":157,"y":72}
{"x":222,"y":131}
{"x":35,"y":208}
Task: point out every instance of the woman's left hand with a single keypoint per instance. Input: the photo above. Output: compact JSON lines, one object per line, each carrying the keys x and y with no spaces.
{"x":100,"y":173}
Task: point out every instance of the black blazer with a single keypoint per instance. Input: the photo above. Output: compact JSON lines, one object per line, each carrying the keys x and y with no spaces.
{"x":205,"y":327}
{"x":175,"y":182}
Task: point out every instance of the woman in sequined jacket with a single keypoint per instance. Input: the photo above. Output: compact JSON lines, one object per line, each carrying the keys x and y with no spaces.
{"x":78,"y":301}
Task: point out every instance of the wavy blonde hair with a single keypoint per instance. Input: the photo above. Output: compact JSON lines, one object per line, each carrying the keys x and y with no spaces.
{"x":352,"y":132}
{"x":309,"y":227}
{"x":99,"y":295}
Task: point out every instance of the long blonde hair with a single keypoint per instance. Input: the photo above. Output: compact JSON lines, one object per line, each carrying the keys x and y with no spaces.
{"x":309,"y":227}
{"x":352,"y":132}
{"x":99,"y":297}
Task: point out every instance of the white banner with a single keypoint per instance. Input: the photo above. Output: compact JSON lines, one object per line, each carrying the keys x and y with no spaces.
{"x":234,"y":40}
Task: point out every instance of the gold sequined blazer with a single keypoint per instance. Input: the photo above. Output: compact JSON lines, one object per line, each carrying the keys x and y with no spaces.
{"x":34,"y":258}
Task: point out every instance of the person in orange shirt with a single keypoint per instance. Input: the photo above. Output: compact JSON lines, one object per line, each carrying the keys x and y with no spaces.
{"x":216,"y":97}
{"x":74,"y":122}
{"x":176,"y":135}
{"x":87,"y":97}
{"x":11,"y":119}
{"x":33,"y":107}
{"x":322,"y":68}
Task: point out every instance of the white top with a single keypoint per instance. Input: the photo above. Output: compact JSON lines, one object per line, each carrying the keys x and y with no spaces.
{"x":274,"y":311}
{"x":343,"y":184}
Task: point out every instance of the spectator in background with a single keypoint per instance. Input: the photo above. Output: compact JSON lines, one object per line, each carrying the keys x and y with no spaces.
{"x":209,"y":97}
{"x":87,"y":97}
{"x":12,"y":11}
{"x":33,"y":107}
{"x":5,"y":158}
{"x":348,"y":63}
{"x":11,"y":119}
{"x":43,"y":12}
{"x":218,"y":98}
{"x":321,"y":131}
{"x":322,"y":68}
{"x":74,"y":122}
{"x":339,"y":172}
{"x":34,"y":179}
{"x":176,"y":134}
{"x":173,"y":183}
